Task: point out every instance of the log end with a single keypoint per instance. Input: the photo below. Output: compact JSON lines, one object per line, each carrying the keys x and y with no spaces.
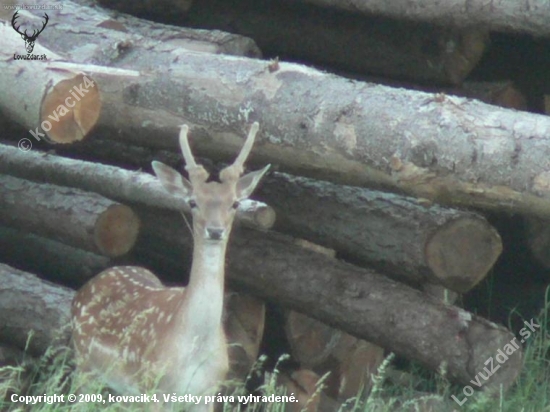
{"x":461,"y":252}
{"x":496,"y":350}
{"x":256,"y":215}
{"x":70,"y":109}
{"x":244,"y":327}
{"x":116,"y":230}
{"x":465,"y":52}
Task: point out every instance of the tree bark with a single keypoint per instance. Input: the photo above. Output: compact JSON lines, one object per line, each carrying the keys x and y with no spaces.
{"x":49,"y":259}
{"x":447,"y":149}
{"x":346,"y":41}
{"x":410,"y":240}
{"x":72,"y":216}
{"x":85,"y":32}
{"x":538,"y":240}
{"x":178,"y":7}
{"x":30,"y":304}
{"x":112,"y":182}
{"x":498,"y":16}
{"x":416,"y":242}
{"x":350,"y":361}
{"x":355,"y":300}
{"x":63,"y":103}
{"x":244,"y":321}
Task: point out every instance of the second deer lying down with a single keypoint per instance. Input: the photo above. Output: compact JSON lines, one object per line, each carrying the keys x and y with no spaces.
{"x":136,"y":335}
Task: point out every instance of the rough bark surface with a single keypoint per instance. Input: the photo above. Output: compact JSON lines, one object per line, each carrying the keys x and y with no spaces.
{"x":112,"y":182}
{"x":355,"y":300}
{"x":408,"y":239}
{"x":106,"y":37}
{"x":448,"y":149}
{"x":30,"y":304}
{"x":345,"y":41}
{"x":389,"y":232}
{"x":509,"y":16}
{"x":71,"y":216}
{"x":53,"y":260}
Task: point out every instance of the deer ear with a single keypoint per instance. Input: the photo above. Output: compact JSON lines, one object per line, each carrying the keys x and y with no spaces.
{"x":247,"y":183}
{"x":172,"y":181}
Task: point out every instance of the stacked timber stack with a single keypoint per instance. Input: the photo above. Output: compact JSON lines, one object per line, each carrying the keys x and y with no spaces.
{"x":404,"y":115}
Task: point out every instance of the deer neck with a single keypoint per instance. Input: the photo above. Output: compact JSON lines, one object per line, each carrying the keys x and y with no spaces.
{"x":203,"y":304}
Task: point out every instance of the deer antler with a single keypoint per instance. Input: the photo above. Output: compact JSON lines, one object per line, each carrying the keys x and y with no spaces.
{"x":196,"y":172}
{"x":234,"y":171}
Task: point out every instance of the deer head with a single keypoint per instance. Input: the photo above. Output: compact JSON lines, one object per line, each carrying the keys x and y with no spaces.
{"x":213,"y":204}
{"x":29,"y":40}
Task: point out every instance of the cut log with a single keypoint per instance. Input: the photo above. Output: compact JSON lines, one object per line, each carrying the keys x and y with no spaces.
{"x":501,"y":16}
{"x":346,"y":41}
{"x":30,"y":304}
{"x":244,"y":321}
{"x":356,"y":300}
{"x":350,"y":361}
{"x":62,"y":104}
{"x":303,"y":385}
{"x":49,"y":259}
{"x":416,"y":242}
{"x":113,"y":182}
{"x":410,"y":240}
{"x":448,"y":149}
{"x":106,"y":37}
{"x":71,"y":216}
{"x":538,"y":240}
{"x":503,"y":93}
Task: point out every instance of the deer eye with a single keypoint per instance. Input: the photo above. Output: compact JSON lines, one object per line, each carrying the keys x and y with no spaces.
{"x":235,"y":205}
{"x":192,"y":204}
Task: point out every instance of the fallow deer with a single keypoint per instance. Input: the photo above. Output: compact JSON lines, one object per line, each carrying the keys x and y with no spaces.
{"x":137,"y":335}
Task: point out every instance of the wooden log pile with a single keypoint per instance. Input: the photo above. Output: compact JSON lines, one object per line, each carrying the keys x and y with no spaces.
{"x":73,"y":202}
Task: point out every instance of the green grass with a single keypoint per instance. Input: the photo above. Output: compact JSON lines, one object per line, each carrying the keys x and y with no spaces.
{"x":531,"y":393}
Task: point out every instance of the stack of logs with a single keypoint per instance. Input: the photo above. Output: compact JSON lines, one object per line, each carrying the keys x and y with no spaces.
{"x":349,"y":265}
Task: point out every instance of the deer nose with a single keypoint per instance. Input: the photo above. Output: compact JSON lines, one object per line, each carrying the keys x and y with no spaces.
{"x":214,"y":233}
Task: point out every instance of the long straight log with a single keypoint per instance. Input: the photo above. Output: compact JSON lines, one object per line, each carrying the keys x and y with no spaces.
{"x":112,"y":182}
{"x":507,"y":16}
{"x":448,"y":149}
{"x":31,"y":304}
{"x":69,"y":215}
{"x":410,"y":240}
{"x":53,"y":260}
{"x":355,"y":300}
{"x":108,"y":37}
{"x":347,"y":41}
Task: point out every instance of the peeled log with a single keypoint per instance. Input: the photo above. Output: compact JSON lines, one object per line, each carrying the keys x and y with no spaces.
{"x":408,"y":239}
{"x":71,"y":216}
{"x":358,"y":301}
{"x":30,"y":304}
